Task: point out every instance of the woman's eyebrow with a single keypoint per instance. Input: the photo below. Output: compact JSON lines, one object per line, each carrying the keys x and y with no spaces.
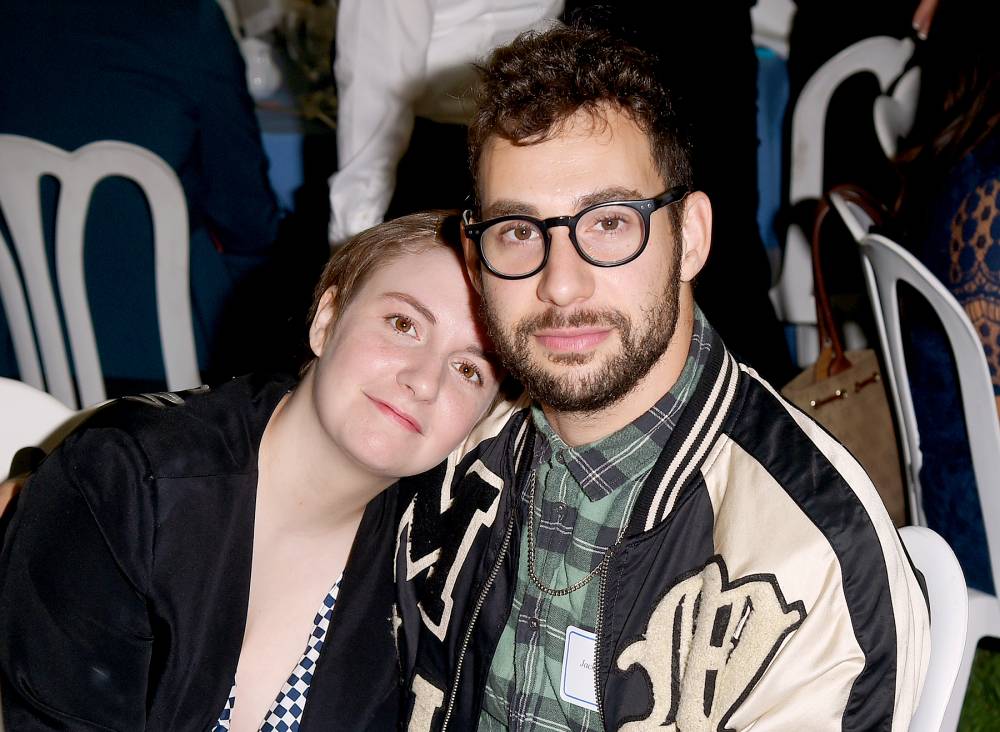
{"x":412,"y":302}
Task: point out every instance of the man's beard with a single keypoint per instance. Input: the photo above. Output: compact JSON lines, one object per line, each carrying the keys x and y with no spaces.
{"x":572,"y":392}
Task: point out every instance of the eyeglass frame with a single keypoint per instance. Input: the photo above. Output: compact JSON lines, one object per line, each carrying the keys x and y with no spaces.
{"x":643,"y":206}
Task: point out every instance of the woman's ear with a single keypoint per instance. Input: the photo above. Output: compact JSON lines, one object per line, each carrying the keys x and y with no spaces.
{"x":472,"y":265}
{"x":697,"y":234}
{"x":326,"y":314}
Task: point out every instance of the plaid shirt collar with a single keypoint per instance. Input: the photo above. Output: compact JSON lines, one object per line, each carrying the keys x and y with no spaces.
{"x":602,"y":466}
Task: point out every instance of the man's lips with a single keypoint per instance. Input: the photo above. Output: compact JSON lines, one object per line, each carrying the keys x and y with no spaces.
{"x":397,"y":415}
{"x":572,"y":340}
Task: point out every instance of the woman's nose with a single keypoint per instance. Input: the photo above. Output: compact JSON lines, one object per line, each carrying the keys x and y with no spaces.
{"x":422,"y":376}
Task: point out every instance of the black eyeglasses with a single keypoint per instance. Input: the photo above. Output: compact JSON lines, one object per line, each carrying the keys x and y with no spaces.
{"x":605,"y":235}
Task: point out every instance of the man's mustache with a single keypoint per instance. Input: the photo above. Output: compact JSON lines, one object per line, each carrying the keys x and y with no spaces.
{"x":552,"y":319}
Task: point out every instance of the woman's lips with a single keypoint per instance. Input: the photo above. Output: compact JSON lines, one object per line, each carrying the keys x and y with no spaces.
{"x":397,"y":415}
{"x":571,"y":340}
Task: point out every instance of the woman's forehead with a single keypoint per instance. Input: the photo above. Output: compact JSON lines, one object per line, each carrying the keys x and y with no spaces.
{"x":434,"y":283}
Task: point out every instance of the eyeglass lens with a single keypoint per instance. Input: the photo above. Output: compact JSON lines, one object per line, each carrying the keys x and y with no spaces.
{"x":605,"y":234}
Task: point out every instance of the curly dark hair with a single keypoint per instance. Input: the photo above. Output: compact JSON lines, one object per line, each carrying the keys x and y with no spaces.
{"x":539,"y":80}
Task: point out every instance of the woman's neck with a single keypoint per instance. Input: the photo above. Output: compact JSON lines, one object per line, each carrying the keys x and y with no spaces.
{"x":305,"y":482}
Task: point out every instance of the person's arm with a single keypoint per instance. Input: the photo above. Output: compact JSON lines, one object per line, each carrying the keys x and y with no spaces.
{"x":75,"y":637}
{"x":237,"y":201}
{"x":380,"y":71}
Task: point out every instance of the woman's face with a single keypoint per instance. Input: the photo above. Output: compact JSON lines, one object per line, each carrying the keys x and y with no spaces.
{"x":402,"y":375}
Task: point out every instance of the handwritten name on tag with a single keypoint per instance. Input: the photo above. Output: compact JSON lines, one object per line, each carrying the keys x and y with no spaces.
{"x":577,"y":686}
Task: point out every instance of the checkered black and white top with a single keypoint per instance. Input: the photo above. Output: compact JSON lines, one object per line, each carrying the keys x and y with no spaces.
{"x":285,"y":713}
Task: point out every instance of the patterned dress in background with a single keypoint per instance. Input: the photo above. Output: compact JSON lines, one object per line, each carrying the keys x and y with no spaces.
{"x":961,"y":246}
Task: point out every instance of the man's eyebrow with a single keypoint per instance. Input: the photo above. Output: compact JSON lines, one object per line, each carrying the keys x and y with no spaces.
{"x":605,"y":195}
{"x":510,"y":207}
{"x":412,"y":302}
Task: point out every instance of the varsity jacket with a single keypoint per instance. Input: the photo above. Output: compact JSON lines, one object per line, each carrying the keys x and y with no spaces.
{"x":125,"y":576}
{"x":760,"y":582}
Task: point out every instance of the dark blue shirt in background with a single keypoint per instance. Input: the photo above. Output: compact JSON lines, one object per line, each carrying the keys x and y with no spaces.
{"x":167,"y":76}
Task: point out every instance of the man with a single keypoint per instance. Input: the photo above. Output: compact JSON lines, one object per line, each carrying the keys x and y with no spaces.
{"x":660,"y":541}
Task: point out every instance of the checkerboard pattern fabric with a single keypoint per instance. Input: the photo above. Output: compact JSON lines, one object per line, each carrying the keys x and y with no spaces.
{"x":285,"y":713}
{"x":586,"y":498}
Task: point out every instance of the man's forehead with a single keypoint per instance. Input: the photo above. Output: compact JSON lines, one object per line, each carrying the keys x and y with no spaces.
{"x":590,"y":158}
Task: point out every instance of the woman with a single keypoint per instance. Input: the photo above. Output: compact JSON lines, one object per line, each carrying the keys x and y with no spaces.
{"x":950,"y":210}
{"x":164,"y":566}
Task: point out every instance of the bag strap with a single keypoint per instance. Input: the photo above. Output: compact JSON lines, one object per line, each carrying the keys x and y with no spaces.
{"x":832,"y":359}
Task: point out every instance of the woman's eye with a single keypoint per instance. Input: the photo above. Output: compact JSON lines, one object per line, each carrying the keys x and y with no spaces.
{"x":469,"y":372}
{"x":402,"y":324}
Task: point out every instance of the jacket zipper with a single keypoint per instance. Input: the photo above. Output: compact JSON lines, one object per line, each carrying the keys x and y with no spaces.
{"x":472,"y":622}
{"x":597,"y":645}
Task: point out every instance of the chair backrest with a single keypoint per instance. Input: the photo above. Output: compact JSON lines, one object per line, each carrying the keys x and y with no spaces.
{"x":894,"y":114}
{"x":855,"y":218}
{"x":30,"y":417}
{"x":883,"y":56}
{"x":885,"y":264}
{"x":949,"y":611}
{"x":23,"y":161}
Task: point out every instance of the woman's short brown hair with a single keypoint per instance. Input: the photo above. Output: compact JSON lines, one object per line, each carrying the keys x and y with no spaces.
{"x":354,"y":262}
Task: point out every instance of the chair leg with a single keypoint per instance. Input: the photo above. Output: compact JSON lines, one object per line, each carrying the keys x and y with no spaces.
{"x":954,"y":709}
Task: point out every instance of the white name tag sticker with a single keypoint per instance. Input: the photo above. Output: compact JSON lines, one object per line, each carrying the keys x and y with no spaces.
{"x":577,"y":686}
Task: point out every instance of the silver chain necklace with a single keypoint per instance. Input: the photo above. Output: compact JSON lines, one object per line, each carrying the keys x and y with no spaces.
{"x":531,"y":551}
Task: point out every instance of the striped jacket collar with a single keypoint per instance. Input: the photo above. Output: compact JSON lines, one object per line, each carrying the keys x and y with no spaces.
{"x":693,"y":440}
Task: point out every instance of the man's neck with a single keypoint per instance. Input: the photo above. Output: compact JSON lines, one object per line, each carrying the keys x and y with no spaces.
{"x":582,"y":428}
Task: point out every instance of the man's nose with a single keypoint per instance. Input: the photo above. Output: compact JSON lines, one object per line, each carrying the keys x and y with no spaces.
{"x":567,"y":278}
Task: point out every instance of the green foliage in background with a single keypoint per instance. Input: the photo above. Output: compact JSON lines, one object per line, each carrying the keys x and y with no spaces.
{"x":981,"y":711}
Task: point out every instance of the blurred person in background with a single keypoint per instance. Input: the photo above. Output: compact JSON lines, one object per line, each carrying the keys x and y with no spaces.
{"x":170,"y":78}
{"x":706,"y":56}
{"x":404,"y":74}
{"x":949,"y":216}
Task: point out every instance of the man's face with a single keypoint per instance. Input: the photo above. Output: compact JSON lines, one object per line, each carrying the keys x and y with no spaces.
{"x":580,"y":337}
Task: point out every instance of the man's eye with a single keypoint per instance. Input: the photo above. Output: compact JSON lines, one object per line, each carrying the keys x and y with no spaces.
{"x":609,"y":223}
{"x":469,"y":372}
{"x":519,"y":231}
{"x":402,"y":324}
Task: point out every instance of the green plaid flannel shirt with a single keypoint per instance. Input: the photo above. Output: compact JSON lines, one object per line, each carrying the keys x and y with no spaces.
{"x":584,"y":498}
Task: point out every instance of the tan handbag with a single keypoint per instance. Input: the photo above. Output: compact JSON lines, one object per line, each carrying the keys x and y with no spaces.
{"x":844,"y":392}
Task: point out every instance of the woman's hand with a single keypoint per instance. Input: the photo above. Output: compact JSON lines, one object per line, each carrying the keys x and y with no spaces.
{"x":9,"y":490}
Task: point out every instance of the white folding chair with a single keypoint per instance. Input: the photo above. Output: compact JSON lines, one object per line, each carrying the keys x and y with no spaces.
{"x":30,"y":417}
{"x":893,"y":114}
{"x":885,"y":264}
{"x":882,"y":56}
{"x":949,"y":610}
{"x":24,"y":265}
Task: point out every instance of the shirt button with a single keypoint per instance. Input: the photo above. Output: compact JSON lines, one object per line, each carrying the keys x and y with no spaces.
{"x":559,"y":510}
{"x":561,"y":457}
{"x":533,"y":623}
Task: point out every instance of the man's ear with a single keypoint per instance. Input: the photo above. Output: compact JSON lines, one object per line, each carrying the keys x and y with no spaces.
{"x":472,"y":264}
{"x":696,"y":228}
{"x":326,"y":313}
